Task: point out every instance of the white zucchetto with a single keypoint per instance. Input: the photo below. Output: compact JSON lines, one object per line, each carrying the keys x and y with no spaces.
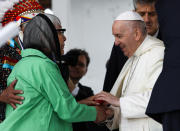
{"x":129,"y":15}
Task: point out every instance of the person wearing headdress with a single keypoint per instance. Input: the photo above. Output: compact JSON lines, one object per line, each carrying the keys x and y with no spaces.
{"x":164,"y":104}
{"x":131,"y":92}
{"x":20,"y":11}
{"x":48,"y":104}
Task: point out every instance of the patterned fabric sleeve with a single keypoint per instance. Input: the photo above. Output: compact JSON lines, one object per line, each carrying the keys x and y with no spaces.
{"x":9,"y":56}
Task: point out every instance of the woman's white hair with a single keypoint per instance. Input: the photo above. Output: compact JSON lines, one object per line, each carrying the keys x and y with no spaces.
{"x":54,"y":19}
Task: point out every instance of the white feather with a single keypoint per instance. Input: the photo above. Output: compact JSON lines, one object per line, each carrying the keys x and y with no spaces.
{"x":9,"y":31}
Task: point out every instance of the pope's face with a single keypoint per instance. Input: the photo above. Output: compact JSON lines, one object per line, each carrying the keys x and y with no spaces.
{"x":148,"y":13}
{"x":124,"y":37}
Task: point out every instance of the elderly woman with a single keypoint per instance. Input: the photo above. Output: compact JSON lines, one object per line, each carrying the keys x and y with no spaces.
{"x":48,"y":104}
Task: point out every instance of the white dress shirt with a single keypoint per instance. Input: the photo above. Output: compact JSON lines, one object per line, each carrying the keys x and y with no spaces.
{"x":75,"y":91}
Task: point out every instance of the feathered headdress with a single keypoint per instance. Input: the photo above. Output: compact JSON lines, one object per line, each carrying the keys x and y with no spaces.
{"x":18,"y":10}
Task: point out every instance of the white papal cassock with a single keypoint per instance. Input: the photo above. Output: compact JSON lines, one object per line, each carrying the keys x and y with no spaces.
{"x":134,"y":86}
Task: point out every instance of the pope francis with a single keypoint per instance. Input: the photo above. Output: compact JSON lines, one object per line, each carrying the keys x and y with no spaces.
{"x":130,"y":94}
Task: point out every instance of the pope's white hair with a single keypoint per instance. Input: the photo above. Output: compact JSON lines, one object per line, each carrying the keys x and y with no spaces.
{"x":137,"y":24}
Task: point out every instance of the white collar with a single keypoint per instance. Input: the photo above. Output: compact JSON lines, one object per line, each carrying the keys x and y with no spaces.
{"x":75,"y":91}
{"x":156,"y":34}
{"x":148,"y":43}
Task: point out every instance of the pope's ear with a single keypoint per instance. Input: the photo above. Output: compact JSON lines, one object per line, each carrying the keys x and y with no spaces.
{"x":138,"y":34}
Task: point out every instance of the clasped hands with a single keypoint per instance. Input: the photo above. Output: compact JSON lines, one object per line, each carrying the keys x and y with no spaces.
{"x":102,"y":102}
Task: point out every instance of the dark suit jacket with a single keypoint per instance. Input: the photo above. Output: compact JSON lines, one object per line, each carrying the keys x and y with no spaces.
{"x":83,"y":93}
{"x":166,"y":93}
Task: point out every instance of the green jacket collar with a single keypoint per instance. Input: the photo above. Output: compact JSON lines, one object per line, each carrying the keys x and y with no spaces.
{"x":32,"y":52}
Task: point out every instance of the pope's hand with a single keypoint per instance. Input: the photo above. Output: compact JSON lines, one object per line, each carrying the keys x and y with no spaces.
{"x":107,"y":97}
